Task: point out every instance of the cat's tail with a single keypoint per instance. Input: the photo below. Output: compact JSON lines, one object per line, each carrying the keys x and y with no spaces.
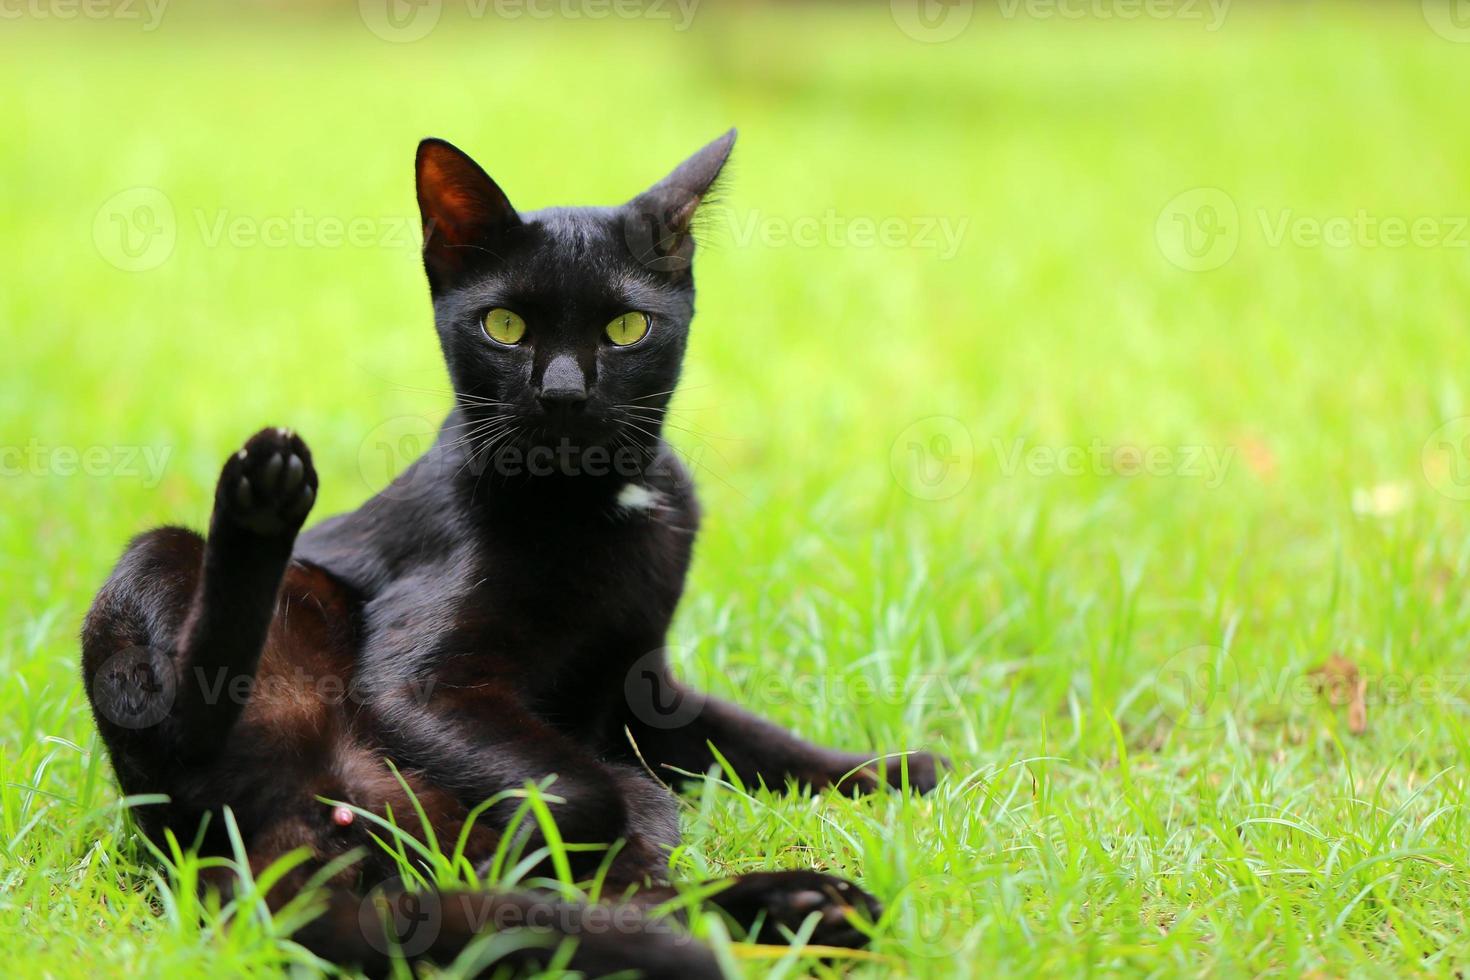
{"x":484,"y":931}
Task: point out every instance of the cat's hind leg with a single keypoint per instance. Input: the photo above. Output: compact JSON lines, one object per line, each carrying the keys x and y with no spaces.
{"x":758,"y":750}
{"x":182,"y":618}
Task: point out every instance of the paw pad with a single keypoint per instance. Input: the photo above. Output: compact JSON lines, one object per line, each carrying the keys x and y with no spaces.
{"x":268,"y":487}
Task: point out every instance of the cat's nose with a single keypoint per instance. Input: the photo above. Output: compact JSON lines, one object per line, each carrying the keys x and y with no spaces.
{"x":563,"y":386}
{"x":563,"y":401}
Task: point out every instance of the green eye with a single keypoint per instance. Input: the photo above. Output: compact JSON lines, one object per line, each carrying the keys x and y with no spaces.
{"x":504,"y":327}
{"x":628,"y":329}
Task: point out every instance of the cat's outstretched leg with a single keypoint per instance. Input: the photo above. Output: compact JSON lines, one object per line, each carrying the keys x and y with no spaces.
{"x":674,"y":727}
{"x":183,"y":619}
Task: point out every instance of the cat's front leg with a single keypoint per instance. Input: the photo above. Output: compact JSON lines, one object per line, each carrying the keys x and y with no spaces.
{"x":264,"y":493}
{"x":674,"y":727}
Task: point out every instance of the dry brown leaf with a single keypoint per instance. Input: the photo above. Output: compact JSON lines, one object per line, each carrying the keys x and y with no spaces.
{"x":1344,"y":684}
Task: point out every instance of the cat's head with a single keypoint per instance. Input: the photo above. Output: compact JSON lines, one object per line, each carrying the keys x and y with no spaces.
{"x":565,"y":326}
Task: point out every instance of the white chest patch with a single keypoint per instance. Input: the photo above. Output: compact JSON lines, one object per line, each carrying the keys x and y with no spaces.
{"x":635,"y":496}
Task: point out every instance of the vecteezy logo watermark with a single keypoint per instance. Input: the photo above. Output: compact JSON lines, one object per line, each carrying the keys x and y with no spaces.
{"x":387,"y":452}
{"x":657,"y":231}
{"x":935,"y":916}
{"x":1450,"y":19}
{"x":1198,"y":687}
{"x":1199,"y":229}
{"x":396,"y":921}
{"x":150,"y":12}
{"x":933,"y":458}
{"x":1445,"y":459}
{"x":1207,"y":463}
{"x":402,"y":21}
{"x":932,"y":21}
{"x":135,"y":229}
{"x":135,"y":688}
{"x":1362,"y":230}
{"x":37,"y":459}
{"x":656,"y":698}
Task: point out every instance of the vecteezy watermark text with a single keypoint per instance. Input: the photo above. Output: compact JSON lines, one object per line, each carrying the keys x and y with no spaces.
{"x":301,"y":229}
{"x":935,"y":457}
{"x":398,"y":922}
{"x":38,"y":459}
{"x":139,"y":687}
{"x":940,"y":234}
{"x":1211,"y":13}
{"x":149,"y":12}
{"x":1097,"y":458}
{"x":404,"y":456}
{"x":936,"y":21}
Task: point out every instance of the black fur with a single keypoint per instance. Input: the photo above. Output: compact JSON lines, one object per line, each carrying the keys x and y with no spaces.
{"x":496,"y":616}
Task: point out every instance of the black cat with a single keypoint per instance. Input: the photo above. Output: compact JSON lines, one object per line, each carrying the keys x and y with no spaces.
{"x":496,"y":616}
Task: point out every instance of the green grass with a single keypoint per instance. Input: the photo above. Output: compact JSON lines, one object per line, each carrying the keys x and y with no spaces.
{"x":1115,"y":809}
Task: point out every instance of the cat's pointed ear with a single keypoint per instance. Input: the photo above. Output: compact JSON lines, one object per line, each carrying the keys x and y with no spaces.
{"x":463,"y":210}
{"x":659,"y":222}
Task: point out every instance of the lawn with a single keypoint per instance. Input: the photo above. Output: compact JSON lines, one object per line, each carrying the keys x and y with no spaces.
{"x":1064,"y":396}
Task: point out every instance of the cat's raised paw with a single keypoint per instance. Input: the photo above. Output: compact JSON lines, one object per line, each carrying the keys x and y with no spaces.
{"x":268,"y":487}
{"x":769,"y":905}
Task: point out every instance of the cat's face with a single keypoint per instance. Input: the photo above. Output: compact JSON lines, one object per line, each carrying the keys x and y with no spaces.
{"x":564,"y":327}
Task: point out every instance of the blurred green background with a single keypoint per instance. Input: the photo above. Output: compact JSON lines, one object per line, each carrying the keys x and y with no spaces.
{"x":1080,"y":382}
